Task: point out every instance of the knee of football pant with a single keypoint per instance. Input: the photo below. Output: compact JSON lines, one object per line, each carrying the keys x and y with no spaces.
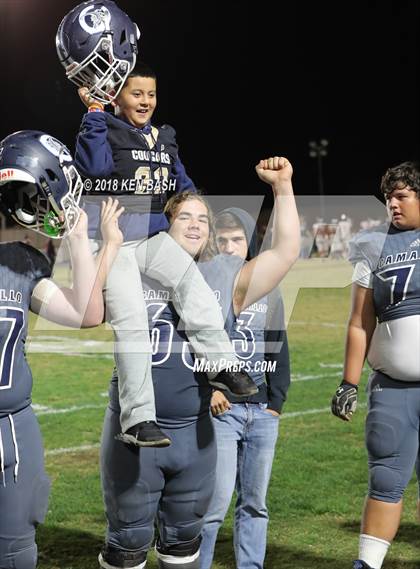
{"x":385,"y":484}
{"x":14,"y":555}
{"x":114,"y":558}
{"x":185,"y":555}
{"x":383,"y":436}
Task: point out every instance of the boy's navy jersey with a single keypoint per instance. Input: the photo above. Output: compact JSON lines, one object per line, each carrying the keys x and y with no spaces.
{"x":22,"y":267}
{"x":393,"y":259}
{"x":182,"y":395}
{"x":141,"y":164}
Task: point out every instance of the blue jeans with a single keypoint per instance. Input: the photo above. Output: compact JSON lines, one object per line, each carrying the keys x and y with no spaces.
{"x":246,"y":438}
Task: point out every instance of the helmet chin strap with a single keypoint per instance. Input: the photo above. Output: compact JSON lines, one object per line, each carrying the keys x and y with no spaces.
{"x":54,"y":207}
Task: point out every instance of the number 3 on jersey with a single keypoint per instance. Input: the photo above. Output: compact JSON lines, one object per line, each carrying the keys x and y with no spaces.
{"x":245,"y":347}
{"x":11,"y":323}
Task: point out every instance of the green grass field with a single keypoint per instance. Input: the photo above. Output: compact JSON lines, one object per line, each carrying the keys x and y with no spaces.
{"x":319,"y":475}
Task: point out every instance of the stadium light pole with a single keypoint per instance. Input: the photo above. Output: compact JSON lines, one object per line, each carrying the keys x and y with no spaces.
{"x":318,"y":150}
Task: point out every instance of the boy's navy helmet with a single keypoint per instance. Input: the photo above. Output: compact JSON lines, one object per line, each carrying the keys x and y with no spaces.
{"x":97,"y":45}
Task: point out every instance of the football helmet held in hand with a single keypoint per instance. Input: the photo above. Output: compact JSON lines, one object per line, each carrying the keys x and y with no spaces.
{"x":97,"y":45}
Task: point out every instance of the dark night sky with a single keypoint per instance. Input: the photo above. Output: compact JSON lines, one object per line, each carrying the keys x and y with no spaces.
{"x":240,"y":83}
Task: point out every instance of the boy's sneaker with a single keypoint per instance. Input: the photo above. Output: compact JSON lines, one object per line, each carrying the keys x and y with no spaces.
{"x":360,"y":565}
{"x":236,"y":383}
{"x":145,"y":434}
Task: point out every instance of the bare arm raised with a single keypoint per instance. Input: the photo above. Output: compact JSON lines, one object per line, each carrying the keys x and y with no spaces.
{"x":263,"y":273}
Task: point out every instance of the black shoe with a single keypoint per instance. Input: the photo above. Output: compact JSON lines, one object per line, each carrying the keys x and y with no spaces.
{"x":360,"y":565}
{"x":113,"y":558}
{"x":145,"y":434}
{"x":236,"y":383}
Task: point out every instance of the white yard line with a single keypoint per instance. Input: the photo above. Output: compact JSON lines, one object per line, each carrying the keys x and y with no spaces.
{"x":299,"y":377}
{"x":315,"y":323}
{"x":69,"y":346}
{"x":82,"y":448}
{"x":50,"y":411}
{"x":55,"y":451}
{"x":313,"y":412}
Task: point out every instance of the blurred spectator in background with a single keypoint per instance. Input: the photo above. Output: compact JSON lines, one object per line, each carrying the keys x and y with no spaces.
{"x":306,"y":238}
{"x":340,"y":242}
{"x":369,"y":223}
{"x":321,"y":235}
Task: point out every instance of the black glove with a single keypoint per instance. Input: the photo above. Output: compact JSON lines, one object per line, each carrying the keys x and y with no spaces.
{"x":344,"y":401}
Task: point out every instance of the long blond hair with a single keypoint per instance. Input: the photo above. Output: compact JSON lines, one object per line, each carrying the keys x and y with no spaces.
{"x":171,"y":211}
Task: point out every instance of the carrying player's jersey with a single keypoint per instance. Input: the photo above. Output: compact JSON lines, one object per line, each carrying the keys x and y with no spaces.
{"x":22,"y":267}
{"x":181,"y":397}
{"x":390,"y":259}
{"x":182,"y":393}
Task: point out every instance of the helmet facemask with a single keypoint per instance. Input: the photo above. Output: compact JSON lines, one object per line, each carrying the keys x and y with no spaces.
{"x":101,"y":72}
{"x":70,"y":202}
{"x":59,"y":220}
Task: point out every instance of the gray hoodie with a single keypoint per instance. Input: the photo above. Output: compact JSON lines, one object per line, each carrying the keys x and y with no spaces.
{"x":274,"y":391}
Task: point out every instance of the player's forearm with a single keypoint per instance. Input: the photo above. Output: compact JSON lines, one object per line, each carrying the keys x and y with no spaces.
{"x":85,"y":296}
{"x":104,"y":261}
{"x":78,"y":306}
{"x":263,"y":273}
{"x":357,"y":344}
{"x":85,"y":306}
{"x":286,"y":227}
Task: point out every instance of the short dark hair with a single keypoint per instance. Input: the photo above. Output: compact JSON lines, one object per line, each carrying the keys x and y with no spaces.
{"x":141,"y":70}
{"x":407,"y":173}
